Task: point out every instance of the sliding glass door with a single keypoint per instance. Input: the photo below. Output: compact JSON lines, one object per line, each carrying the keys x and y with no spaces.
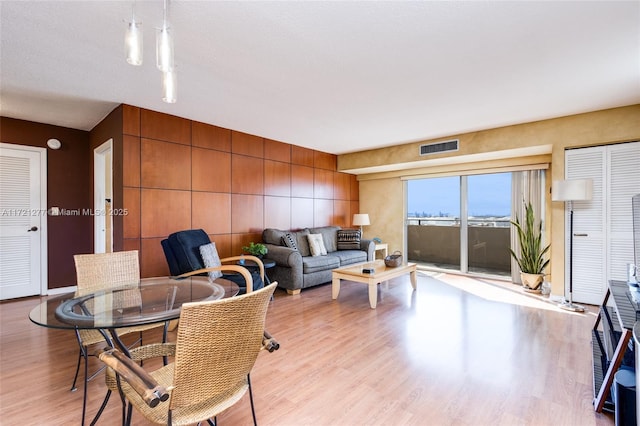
{"x":488,"y":226}
{"x":433,"y":222}
{"x":460,"y":223}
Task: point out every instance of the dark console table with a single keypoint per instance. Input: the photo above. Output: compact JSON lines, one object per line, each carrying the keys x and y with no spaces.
{"x":616,"y":320}
{"x":250,"y":264}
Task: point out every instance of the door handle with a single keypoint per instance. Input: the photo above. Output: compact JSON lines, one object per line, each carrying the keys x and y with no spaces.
{"x":580,"y":235}
{"x":33,"y":228}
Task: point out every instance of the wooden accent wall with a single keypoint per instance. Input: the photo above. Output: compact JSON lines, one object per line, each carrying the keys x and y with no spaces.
{"x":181,"y":174}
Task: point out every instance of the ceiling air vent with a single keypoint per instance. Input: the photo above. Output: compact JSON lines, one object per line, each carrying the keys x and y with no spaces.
{"x":433,"y":148}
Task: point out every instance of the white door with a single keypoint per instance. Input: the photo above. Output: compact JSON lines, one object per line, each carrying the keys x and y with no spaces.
{"x":623,"y":184}
{"x":602,"y":234}
{"x":23,"y":221}
{"x":103,"y":197}
{"x":589,"y":226}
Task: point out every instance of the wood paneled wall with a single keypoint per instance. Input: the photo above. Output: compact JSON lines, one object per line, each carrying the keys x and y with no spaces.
{"x":181,"y":174}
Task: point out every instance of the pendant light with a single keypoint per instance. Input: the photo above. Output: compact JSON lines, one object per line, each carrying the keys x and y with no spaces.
{"x":170,"y":86}
{"x":164,"y":43}
{"x":164,"y":52}
{"x":133,"y":40}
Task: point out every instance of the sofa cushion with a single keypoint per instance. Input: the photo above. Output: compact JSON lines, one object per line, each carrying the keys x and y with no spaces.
{"x":302,"y":242}
{"x":316,"y":245}
{"x":290,"y":241}
{"x":211,"y":259}
{"x":273,"y":236}
{"x":319,"y":263}
{"x":329,"y":236}
{"x":348,"y":239}
{"x":348,"y":257}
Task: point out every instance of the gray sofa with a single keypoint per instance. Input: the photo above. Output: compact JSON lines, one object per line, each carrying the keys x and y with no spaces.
{"x":296,"y":268}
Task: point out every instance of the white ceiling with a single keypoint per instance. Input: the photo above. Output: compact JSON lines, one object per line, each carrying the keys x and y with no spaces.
{"x":333,"y":76}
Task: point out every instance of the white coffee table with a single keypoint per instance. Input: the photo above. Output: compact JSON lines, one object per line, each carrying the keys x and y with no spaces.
{"x":382,"y":273}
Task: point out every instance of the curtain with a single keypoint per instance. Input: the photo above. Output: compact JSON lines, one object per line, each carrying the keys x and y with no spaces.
{"x":526,"y":186}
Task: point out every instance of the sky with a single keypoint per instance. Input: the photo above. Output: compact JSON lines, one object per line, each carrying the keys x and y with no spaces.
{"x":489,"y":195}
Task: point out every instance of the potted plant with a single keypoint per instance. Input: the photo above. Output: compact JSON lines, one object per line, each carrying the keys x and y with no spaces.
{"x":255,"y":249}
{"x":531,"y":258}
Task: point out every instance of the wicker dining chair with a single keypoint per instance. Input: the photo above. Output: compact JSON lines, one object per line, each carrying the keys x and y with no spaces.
{"x":216,"y":347}
{"x":95,"y":272}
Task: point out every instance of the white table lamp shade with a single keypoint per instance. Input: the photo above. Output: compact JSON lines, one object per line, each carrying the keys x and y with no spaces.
{"x":572,"y":190}
{"x":361,"y":219}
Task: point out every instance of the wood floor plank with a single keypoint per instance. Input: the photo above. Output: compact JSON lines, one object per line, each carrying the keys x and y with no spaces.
{"x":458,"y":351}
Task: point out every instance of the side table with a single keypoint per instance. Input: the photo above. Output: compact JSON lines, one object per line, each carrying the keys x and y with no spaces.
{"x":384,"y":247}
{"x":251,"y":265}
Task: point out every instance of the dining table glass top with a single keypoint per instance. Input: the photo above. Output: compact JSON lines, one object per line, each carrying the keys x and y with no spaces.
{"x":147,"y":301}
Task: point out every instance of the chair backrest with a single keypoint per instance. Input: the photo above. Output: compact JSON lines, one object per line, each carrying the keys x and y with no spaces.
{"x":106,"y":270}
{"x":217,"y":345}
{"x":182,"y":250}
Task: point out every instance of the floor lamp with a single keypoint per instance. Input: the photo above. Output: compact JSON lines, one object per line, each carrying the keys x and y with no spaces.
{"x":569,"y":191}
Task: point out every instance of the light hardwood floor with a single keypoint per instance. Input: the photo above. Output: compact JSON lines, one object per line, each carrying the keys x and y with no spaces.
{"x":458,"y":351}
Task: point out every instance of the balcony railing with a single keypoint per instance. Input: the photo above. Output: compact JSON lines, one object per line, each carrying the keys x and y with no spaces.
{"x":436,"y":241}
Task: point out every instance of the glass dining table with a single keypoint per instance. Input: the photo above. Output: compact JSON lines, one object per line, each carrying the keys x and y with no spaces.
{"x":148,"y":301}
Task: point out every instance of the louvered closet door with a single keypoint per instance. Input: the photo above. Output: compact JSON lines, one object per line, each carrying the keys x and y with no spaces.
{"x":624,"y":183}
{"x":589,"y":227}
{"x":603,"y":239}
{"x":21,"y":221}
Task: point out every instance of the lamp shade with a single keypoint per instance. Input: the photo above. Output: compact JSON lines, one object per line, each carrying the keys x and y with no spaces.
{"x":572,"y":190}
{"x":361,"y":219}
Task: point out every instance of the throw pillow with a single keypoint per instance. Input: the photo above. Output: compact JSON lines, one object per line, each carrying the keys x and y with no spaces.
{"x":349,"y":239}
{"x":302,"y":242}
{"x":211,"y":259}
{"x":290,"y":241}
{"x":329,"y":236}
{"x":316,"y":245}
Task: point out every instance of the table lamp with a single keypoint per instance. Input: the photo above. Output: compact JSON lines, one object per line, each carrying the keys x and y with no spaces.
{"x":360,"y":219}
{"x":569,"y":191}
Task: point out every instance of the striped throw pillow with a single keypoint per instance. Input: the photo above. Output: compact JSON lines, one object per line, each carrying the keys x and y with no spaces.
{"x":349,"y":239}
{"x":290,"y":241}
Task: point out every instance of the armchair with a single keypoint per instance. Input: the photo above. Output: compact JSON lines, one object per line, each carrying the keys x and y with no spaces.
{"x":182,"y":251}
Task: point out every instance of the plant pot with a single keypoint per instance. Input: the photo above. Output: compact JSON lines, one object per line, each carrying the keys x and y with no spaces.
{"x":531,"y":282}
